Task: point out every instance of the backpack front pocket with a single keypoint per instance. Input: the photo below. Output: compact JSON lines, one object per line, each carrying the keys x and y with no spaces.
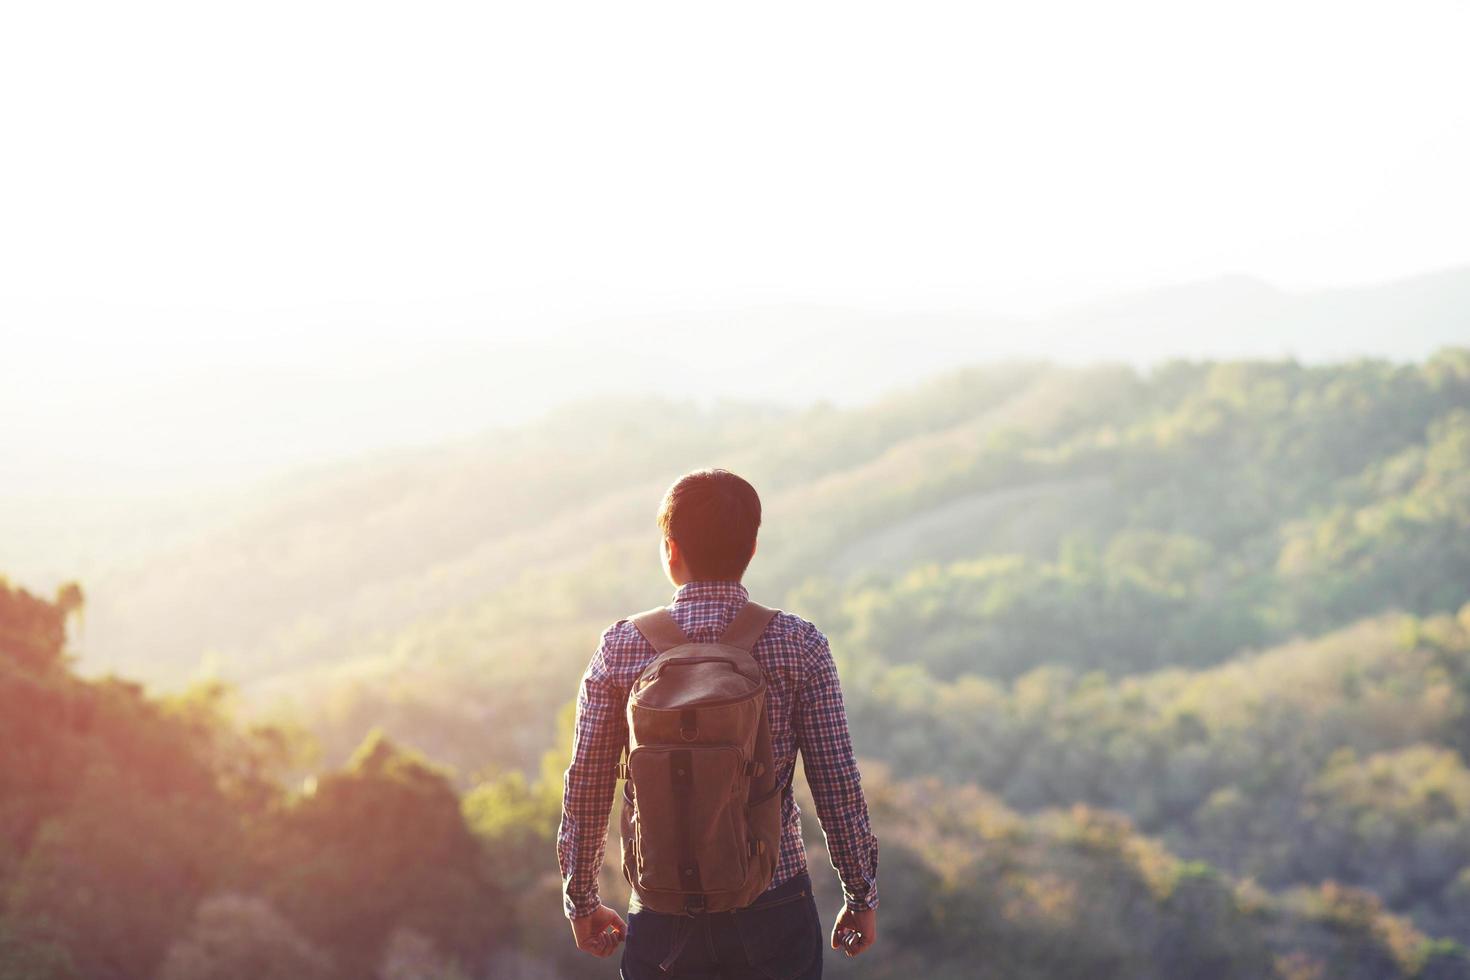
{"x":690,"y":834}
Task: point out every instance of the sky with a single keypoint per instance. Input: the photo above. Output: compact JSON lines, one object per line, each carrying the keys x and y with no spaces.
{"x":224,"y":229}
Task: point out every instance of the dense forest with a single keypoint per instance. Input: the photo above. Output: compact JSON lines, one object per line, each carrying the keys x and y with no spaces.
{"x":1154,"y":674}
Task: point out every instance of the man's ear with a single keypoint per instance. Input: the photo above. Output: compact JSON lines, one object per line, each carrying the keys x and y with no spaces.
{"x":753,"y":546}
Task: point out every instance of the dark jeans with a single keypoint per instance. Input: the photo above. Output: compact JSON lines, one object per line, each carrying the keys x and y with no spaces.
{"x":779,"y":937}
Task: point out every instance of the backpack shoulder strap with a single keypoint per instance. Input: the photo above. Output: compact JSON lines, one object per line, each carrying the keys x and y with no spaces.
{"x":747,"y":626}
{"x":658,"y":627}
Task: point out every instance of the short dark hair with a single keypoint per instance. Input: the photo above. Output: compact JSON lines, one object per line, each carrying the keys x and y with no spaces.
{"x":713,"y":516}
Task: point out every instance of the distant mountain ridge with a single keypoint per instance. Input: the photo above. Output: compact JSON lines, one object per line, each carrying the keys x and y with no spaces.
{"x":221,"y":424}
{"x":1241,"y":316}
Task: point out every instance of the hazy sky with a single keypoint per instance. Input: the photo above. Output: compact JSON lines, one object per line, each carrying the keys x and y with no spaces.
{"x":284,"y":198}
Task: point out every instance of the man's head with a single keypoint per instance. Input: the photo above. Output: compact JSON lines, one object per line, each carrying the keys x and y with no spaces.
{"x":709,"y":520}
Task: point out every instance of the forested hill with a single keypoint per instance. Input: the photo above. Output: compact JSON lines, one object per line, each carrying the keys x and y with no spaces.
{"x":1175,"y":667}
{"x":1271,"y":499}
{"x":162,"y":838}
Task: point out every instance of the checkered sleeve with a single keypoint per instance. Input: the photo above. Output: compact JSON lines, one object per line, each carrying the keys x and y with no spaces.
{"x":832,"y":773}
{"x":590,"y":782}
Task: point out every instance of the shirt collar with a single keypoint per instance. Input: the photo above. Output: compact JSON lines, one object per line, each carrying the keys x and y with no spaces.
{"x":711,"y":589}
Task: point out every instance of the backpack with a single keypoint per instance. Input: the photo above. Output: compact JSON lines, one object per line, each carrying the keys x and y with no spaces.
{"x":701,"y":818}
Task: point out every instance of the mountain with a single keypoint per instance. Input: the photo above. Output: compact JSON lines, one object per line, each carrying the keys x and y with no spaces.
{"x":335,"y":565}
{"x":1174,"y":664}
{"x":1237,"y":316}
{"x":109,"y":435}
{"x":161,"y":838}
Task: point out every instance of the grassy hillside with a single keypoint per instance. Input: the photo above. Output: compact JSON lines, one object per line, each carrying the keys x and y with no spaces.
{"x":1121,"y":522}
{"x":1255,"y":466}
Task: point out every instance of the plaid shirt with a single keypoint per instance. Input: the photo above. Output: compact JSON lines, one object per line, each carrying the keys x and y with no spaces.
{"x":803,"y":703}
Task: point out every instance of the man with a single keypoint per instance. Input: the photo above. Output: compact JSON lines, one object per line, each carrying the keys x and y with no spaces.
{"x":709,"y":520}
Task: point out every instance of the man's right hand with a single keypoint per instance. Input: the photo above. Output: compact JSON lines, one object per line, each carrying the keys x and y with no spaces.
{"x":592,"y":935}
{"x":855,"y":932}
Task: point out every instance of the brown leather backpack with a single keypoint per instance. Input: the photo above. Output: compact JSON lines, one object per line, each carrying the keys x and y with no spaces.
{"x":701,"y":820}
